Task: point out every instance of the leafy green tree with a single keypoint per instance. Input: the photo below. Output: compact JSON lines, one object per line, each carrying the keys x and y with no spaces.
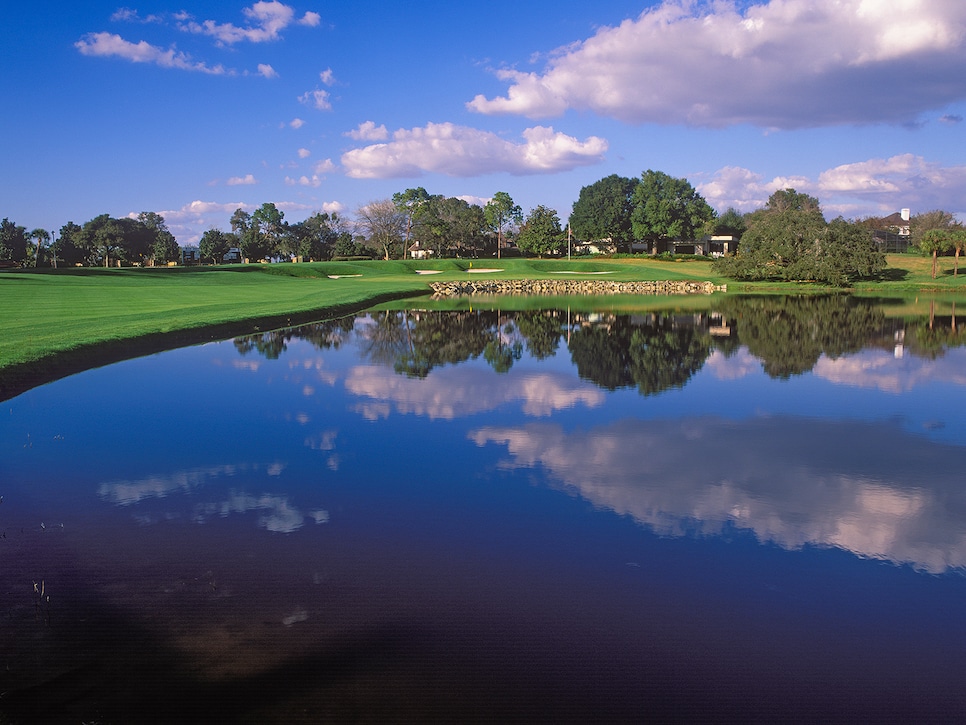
{"x":958,"y":240}
{"x":541,"y":234}
{"x":345,"y":245}
{"x":732,"y":223}
{"x":42,"y":237}
{"x":68,"y":246}
{"x":13,"y":242}
{"x":921,"y":223}
{"x":448,"y":224}
{"x":410,"y":203}
{"x":165,"y":248}
{"x":934,"y":241}
{"x":103,"y":236}
{"x":789,"y":239}
{"x":666,"y":208}
{"x":500,"y":212}
{"x":604,"y":210}
{"x":214,"y":245}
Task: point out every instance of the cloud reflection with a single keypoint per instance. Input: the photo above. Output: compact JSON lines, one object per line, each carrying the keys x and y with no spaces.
{"x":884,"y":371}
{"x":868,"y":488}
{"x":455,"y":392}
{"x":277,"y":512}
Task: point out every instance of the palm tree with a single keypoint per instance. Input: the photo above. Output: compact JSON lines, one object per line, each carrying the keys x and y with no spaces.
{"x":43,"y":238}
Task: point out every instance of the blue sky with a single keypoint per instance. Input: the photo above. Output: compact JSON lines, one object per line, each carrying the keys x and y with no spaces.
{"x":195,"y":109}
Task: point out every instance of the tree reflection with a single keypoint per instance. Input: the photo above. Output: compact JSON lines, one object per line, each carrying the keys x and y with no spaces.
{"x":789,"y":334}
{"x":652,"y":352}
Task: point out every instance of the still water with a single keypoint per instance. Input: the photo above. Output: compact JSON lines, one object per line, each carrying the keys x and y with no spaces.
{"x":752,"y":510}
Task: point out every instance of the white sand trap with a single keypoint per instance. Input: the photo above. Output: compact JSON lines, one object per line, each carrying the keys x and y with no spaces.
{"x":429,"y":271}
{"x":576,"y":272}
{"x":342,"y":276}
{"x":483,"y":271}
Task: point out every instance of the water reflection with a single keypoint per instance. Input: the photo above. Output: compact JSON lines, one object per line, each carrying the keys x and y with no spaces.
{"x":667,"y":512}
{"x":871,"y":489}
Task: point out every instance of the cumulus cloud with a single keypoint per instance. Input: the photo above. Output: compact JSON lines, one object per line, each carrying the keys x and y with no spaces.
{"x":318,"y":99}
{"x":266,"y":21}
{"x":304,"y":153}
{"x":867,"y":187}
{"x":327,"y":77}
{"x":777,"y":64}
{"x":264,"y":69}
{"x":453,"y":150}
{"x":246,"y":180}
{"x":110,"y":44}
{"x":324,"y":167}
{"x":368,"y":131}
{"x":311,"y":19}
{"x":296,"y":123}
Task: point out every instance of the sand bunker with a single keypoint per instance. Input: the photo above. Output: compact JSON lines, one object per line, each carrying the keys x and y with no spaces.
{"x":429,"y":271}
{"x":340,"y":276}
{"x":482,"y":271}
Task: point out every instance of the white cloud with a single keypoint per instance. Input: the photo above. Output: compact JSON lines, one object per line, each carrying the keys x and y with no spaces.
{"x":128,"y":15}
{"x":246,"y":180}
{"x":453,"y":150}
{"x":267,"y":20}
{"x":898,"y":182}
{"x":296,"y":123}
{"x":779,"y":64}
{"x":304,"y":153}
{"x":325,"y":167}
{"x":318,"y":99}
{"x":861,"y":188}
{"x":266,"y":70}
{"x":368,"y":131}
{"x":327,"y":77}
{"x":304,"y":181}
{"x":110,"y":44}
{"x":311,"y":19}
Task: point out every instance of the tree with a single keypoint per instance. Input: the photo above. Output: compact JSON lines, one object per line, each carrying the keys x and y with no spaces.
{"x":541,"y":233}
{"x":500,"y":212}
{"x":921,"y":223}
{"x":13,"y":242}
{"x":409,"y":203}
{"x":214,"y":245}
{"x":604,"y":210}
{"x":935,"y":241}
{"x":383,"y":224}
{"x":667,"y":208}
{"x":162,"y":246}
{"x":103,"y":236}
{"x":958,"y":239}
{"x":731,"y":223}
{"x":69,"y":246}
{"x":43,"y":239}
{"x":788,"y":239}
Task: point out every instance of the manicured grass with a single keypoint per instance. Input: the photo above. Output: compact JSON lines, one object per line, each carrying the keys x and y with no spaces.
{"x":44,"y":312}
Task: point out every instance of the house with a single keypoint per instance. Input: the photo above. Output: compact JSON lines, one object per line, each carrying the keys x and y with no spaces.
{"x":190,"y":256}
{"x":417,"y":251}
{"x":894,"y":233}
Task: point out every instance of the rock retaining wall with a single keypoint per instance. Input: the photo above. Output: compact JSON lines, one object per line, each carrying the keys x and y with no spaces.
{"x":563,"y":287}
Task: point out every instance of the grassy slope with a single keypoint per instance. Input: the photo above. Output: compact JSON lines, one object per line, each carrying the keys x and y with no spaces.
{"x":46,"y":312}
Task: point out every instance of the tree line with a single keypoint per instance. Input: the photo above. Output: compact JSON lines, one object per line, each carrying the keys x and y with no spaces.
{"x":787,"y":239}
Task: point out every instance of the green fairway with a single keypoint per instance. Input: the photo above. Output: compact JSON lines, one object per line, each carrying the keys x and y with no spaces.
{"x":46,"y":312}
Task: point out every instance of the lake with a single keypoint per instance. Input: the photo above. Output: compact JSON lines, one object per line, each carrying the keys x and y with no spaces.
{"x":724,"y":508}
